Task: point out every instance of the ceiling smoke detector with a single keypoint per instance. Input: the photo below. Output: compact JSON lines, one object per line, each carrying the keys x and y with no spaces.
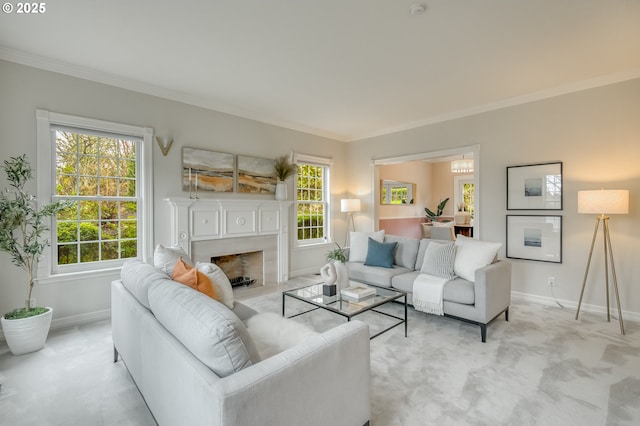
{"x":418,"y":9}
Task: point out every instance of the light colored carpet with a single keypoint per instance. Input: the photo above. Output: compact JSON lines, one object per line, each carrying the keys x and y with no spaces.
{"x":540,"y":368}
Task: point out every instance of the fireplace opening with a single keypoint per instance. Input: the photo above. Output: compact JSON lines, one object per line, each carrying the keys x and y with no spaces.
{"x":242,"y":269}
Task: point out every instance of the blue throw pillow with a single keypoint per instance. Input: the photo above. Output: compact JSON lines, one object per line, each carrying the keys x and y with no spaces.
{"x":380,"y":254}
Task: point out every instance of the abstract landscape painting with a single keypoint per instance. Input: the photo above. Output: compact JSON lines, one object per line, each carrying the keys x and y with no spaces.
{"x":204,"y":170}
{"x":256,"y":175}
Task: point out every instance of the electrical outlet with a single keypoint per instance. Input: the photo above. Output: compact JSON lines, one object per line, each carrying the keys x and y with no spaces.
{"x":551,"y":281}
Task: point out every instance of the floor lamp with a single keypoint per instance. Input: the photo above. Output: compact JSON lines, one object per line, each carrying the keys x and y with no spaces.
{"x":603,"y":202}
{"x":349,"y":206}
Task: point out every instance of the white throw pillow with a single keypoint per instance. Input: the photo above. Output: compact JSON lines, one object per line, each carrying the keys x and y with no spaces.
{"x":220,"y":281}
{"x":472,"y":254}
{"x":272,"y":334}
{"x":165,"y":258}
{"x":360,"y":243}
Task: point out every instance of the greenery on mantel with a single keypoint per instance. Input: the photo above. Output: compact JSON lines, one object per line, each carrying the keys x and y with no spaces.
{"x":23,"y":226}
{"x":283,"y":168}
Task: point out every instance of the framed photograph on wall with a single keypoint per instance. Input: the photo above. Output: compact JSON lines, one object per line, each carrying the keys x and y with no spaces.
{"x":534,"y":238}
{"x":256,"y":175}
{"x":204,"y":170}
{"x":534,"y":187}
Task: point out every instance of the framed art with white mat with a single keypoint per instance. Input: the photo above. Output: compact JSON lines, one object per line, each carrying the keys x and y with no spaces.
{"x":534,"y":238}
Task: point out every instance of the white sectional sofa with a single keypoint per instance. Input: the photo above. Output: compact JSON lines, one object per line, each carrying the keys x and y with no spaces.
{"x":195,"y":364}
{"x":483,"y":294}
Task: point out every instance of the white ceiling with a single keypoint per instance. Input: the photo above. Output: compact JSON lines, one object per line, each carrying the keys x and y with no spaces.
{"x":346,"y":69}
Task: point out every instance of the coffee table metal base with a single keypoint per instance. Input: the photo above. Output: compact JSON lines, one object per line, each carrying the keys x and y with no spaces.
{"x":328,"y":307}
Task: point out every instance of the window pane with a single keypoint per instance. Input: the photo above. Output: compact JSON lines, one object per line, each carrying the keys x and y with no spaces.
{"x":88,"y":165}
{"x":88,"y":186}
{"x":109,"y":230}
{"x":67,"y":232}
{"x":89,"y":231}
{"x":109,"y":250}
{"x":109,"y":210}
{"x":129,"y":249}
{"x":88,"y":210}
{"x":128,"y":229}
{"x":89,"y":252}
{"x":67,"y":254}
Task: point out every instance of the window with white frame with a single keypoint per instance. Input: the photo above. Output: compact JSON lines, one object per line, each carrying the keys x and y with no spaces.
{"x":105,"y":169}
{"x":312,"y":199}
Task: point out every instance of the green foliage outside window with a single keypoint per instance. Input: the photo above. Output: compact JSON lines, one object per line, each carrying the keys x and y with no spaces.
{"x":96,"y":166}
{"x":311,"y":203}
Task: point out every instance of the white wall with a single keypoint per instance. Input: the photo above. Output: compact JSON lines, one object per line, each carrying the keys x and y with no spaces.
{"x":595,"y":133}
{"x":23,"y":89}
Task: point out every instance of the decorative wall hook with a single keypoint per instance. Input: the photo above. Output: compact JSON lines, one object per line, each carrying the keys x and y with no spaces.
{"x":164,"y":147}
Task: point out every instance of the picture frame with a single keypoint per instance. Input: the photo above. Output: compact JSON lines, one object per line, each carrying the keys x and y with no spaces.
{"x":535,"y":187}
{"x":256,"y":175}
{"x":204,"y":170}
{"x":536,"y":238}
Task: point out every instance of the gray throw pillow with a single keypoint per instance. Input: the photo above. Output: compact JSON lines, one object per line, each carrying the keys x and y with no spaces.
{"x":439,"y":260}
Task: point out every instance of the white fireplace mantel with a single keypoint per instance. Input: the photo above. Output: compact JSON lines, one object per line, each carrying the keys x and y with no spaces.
{"x":197,"y":220}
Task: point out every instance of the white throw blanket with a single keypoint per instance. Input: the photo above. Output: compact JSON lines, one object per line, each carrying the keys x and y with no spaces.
{"x":427,"y":294}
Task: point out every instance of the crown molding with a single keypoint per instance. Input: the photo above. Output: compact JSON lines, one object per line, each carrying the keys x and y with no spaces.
{"x":510,"y":102}
{"x":85,"y":73}
{"x":97,"y":76}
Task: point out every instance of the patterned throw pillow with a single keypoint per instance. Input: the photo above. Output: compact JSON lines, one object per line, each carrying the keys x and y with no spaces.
{"x":439,"y":259}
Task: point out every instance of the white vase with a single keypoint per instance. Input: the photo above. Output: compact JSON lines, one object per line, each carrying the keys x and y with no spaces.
{"x":342,"y":275}
{"x":27,"y":334}
{"x":281,"y":191}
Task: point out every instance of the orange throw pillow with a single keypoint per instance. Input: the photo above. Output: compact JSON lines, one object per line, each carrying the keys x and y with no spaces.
{"x":190,"y":276}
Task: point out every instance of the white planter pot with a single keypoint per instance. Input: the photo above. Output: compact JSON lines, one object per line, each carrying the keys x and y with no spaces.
{"x":281,"y":191}
{"x":462,"y":218}
{"x":27,"y":334}
{"x":342,"y":275}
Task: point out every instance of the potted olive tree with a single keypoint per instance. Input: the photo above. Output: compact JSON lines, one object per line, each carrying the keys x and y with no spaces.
{"x":283,"y":169}
{"x":22,"y":234}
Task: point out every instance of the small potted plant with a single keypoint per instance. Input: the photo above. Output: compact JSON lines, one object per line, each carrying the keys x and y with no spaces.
{"x":282,"y":169}
{"x":22,"y":229}
{"x":338,"y":257}
{"x":435,"y":217}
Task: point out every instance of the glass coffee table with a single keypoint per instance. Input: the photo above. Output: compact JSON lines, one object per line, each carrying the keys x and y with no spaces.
{"x":312,"y":295}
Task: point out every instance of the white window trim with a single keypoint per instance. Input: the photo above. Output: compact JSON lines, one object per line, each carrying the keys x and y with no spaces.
{"x":317,"y":161}
{"x":46,"y":176}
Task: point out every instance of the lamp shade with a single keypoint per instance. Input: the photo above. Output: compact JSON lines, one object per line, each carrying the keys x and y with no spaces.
{"x":348,"y":205}
{"x":604,"y":201}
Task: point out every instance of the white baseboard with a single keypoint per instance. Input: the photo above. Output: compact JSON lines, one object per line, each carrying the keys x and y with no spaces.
{"x":74,"y":320}
{"x":572,"y":304}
